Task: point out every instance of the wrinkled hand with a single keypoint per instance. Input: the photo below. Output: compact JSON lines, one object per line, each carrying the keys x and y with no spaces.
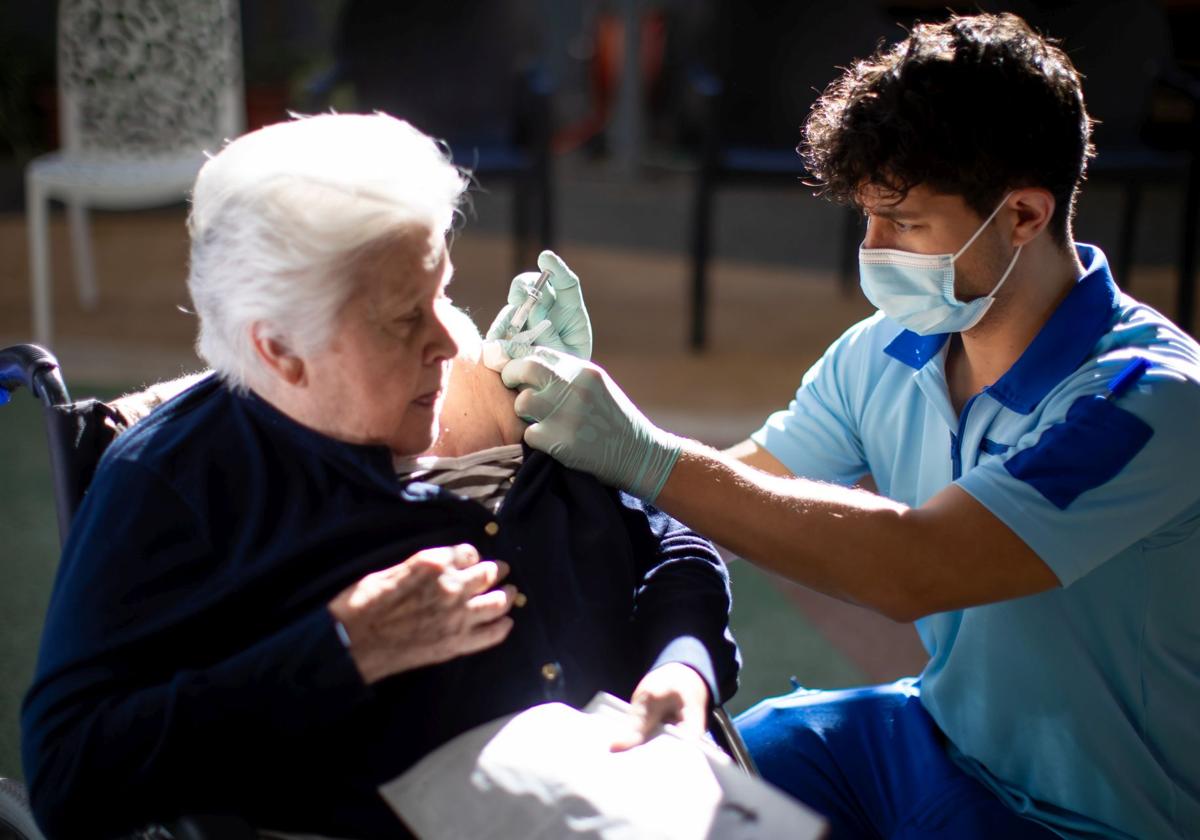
{"x":559,"y":320}
{"x":580,"y":417}
{"x":671,"y":693}
{"x":436,"y":605}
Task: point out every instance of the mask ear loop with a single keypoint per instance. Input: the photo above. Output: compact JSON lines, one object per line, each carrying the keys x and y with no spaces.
{"x":1007,"y":272}
{"x":982,"y":228}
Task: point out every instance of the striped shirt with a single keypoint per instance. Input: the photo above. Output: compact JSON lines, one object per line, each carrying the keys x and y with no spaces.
{"x":483,"y":476}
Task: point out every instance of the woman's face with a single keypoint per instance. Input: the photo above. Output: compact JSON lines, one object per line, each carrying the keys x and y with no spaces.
{"x":382,"y":378}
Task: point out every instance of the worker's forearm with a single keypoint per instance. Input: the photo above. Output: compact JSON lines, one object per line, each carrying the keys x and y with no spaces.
{"x":949,"y":553}
{"x":824,"y":536}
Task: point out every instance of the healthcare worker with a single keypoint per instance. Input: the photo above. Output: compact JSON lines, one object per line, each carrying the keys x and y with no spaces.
{"x":1032,"y":434}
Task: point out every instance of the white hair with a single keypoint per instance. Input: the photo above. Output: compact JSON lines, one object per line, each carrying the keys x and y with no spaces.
{"x":280,"y":216}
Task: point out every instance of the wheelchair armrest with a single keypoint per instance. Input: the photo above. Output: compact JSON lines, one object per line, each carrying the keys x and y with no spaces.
{"x":721,"y":727}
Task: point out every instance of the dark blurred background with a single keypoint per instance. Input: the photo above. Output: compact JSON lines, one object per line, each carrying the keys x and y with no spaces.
{"x":652,"y":144}
{"x":458,"y":69}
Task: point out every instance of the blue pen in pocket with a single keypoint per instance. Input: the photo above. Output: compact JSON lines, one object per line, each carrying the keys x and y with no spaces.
{"x":1127,"y":378}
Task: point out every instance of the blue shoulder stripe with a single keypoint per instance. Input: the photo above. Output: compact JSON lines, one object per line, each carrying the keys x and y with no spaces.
{"x":1091,"y":445}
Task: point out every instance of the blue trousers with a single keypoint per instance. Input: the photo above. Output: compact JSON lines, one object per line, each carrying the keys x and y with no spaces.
{"x":873,"y":762}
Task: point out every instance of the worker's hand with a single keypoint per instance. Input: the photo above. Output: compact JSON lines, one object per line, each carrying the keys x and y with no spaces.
{"x":436,"y":605}
{"x":580,"y":417}
{"x":559,"y":320}
{"x":671,"y":693}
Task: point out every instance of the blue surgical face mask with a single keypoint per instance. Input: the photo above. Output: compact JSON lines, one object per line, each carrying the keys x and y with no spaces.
{"x":917,"y":290}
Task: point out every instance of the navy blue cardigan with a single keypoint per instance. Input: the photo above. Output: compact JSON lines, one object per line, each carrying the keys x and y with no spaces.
{"x":189,"y":663}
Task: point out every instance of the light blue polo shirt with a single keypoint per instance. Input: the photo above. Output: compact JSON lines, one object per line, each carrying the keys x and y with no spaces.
{"x":1084,"y":699}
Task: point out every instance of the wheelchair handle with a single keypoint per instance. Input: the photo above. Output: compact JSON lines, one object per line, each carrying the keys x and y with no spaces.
{"x":34,"y":367}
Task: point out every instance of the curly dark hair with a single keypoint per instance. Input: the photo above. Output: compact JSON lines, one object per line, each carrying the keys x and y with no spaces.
{"x":972,"y":106}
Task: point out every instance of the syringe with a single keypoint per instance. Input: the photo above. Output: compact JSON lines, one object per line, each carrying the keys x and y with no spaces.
{"x":522,"y":314}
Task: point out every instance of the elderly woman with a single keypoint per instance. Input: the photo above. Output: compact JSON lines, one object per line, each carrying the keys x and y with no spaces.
{"x":266,"y":607}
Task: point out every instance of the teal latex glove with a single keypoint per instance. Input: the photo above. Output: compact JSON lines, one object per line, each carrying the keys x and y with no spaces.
{"x":580,"y":417}
{"x":559,"y":320}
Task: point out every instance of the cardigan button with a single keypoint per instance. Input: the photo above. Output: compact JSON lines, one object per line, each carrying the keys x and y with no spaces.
{"x":491,"y":529}
{"x":551,"y":671}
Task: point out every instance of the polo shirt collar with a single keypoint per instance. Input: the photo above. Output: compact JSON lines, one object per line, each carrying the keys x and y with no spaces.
{"x":914,"y":349}
{"x":1059,"y":348}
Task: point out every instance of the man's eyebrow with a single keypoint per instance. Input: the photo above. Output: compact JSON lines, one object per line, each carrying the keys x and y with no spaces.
{"x":893,"y":212}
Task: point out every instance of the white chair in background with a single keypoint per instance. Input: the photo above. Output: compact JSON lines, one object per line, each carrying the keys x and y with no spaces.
{"x":143,"y":90}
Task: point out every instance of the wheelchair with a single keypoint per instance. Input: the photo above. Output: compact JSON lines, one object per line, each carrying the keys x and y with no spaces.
{"x":77,"y":433}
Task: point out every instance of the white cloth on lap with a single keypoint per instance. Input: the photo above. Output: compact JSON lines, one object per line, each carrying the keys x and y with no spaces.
{"x":548,"y":772}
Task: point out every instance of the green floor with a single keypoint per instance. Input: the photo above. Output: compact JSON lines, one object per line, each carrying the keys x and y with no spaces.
{"x":776,"y":642}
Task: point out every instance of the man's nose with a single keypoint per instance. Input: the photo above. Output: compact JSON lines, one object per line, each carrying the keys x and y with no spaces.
{"x":874,"y":237}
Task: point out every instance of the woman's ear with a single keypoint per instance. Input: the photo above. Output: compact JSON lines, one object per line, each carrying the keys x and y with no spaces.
{"x":276,"y":355}
{"x":1034,"y":207}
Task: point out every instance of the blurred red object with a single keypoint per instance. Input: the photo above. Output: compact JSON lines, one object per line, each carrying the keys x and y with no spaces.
{"x":265,"y":105}
{"x":608,"y":57}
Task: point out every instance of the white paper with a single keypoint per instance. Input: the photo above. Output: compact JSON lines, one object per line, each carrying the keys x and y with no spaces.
{"x":548,"y":772}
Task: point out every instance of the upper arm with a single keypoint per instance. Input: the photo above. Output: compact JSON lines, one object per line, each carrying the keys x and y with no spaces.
{"x":140,"y":694}
{"x":667,"y":550}
{"x":967,"y":556}
{"x":1102,"y":476}
{"x":1098,"y":476}
{"x":682,"y":599}
{"x":135,"y":552}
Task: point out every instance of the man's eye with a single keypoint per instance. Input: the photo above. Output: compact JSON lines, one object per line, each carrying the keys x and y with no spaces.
{"x":902,"y":227}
